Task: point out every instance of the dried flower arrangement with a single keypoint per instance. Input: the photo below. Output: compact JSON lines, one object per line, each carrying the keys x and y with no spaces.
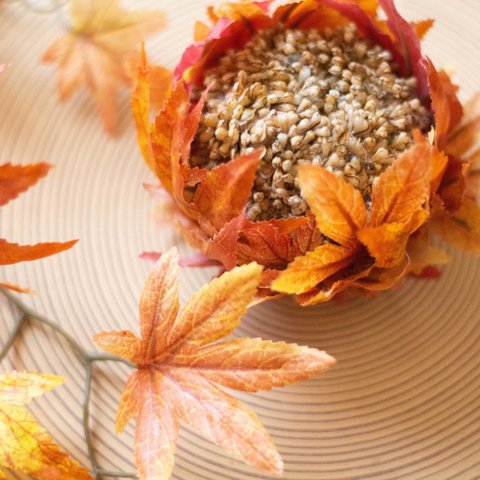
{"x":317,"y":140}
{"x":307,"y":147}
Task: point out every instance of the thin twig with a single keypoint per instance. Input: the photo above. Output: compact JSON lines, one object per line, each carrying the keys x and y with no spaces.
{"x":108,"y":473}
{"x":86,"y":418}
{"x":12,"y":336}
{"x":94,"y":357}
{"x":88,"y":359}
{"x":40,"y":318}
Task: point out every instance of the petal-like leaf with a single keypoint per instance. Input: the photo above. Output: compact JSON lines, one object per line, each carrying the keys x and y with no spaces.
{"x":223,"y":420}
{"x":423,"y":27}
{"x":159,"y":305}
{"x":223,"y":246}
{"x":156,"y":429}
{"x":408,"y":44}
{"x":454,"y":183}
{"x":122,"y":343}
{"x":338,"y":207}
{"x":215,"y":311}
{"x":128,"y":406}
{"x":306,"y":272}
{"x":19,"y":388}
{"x":15,"y":288}
{"x":333,"y":287}
{"x":448,"y":109}
{"x":404,"y":187}
{"x":387,"y":242}
{"x":141,"y":104}
{"x":252,"y":364}
{"x":11,"y":253}
{"x":163,"y":134}
{"x":274,"y":243}
{"x":16,"y":179}
{"x":381,"y":279}
{"x":224,"y":193}
{"x":473,"y":179}
{"x":25,"y":446}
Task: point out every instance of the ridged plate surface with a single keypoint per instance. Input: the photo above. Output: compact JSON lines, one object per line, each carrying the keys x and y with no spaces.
{"x":404,"y":399}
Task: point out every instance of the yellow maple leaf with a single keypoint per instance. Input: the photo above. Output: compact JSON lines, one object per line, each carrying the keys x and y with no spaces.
{"x":98,"y":50}
{"x":25,"y":446}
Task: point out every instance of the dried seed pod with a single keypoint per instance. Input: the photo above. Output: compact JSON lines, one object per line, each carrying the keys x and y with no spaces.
{"x":330,"y":99}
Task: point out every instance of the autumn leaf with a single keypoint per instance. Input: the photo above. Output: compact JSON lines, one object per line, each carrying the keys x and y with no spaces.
{"x":338,"y":207}
{"x":340,"y":213}
{"x":448,"y":109}
{"x":392,"y":201}
{"x":102,"y":40}
{"x":11,"y":253}
{"x":306,"y":272}
{"x":14,"y":180}
{"x":423,"y":27}
{"x":223,"y":247}
{"x":276,"y":242}
{"x":182,"y":361}
{"x":400,"y":202}
{"x":25,"y":446}
{"x":407,"y":42}
{"x":400,"y":206}
{"x":224,"y":193}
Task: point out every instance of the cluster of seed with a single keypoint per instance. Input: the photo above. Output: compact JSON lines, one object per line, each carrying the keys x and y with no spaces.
{"x":330,"y":99}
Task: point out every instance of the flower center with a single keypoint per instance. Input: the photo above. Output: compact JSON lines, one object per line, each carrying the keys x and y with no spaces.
{"x":330,"y":99}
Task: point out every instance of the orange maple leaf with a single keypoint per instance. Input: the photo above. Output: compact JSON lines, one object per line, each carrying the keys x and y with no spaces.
{"x":101,"y":43}
{"x":373,"y":242}
{"x":181,"y":360}
{"x":25,"y":446}
{"x":16,"y":179}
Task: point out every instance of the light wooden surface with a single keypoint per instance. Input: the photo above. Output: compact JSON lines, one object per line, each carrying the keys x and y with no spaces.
{"x":404,"y":400}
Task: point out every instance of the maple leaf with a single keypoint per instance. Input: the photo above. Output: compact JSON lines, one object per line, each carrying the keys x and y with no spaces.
{"x":14,"y":180}
{"x":181,"y":362}
{"x":399,"y":208}
{"x":97,"y":50}
{"x":25,"y":446}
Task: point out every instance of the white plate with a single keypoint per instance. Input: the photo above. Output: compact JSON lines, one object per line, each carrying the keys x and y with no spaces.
{"x":404,"y":400}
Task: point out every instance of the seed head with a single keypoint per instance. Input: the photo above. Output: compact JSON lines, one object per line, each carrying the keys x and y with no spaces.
{"x":330,"y":99}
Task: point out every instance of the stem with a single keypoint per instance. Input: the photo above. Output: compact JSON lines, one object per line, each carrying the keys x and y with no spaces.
{"x":108,"y":473}
{"x":88,"y":358}
{"x":86,"y":416}
{"x":40,"y":318}
{"x":94,"y":357}
{"x":12,"y":336}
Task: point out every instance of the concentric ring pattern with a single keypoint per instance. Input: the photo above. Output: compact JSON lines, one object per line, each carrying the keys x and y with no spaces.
{"x":403,"y":401}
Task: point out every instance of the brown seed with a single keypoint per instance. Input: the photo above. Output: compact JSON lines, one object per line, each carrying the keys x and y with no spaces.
{"x":331,"y":100}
